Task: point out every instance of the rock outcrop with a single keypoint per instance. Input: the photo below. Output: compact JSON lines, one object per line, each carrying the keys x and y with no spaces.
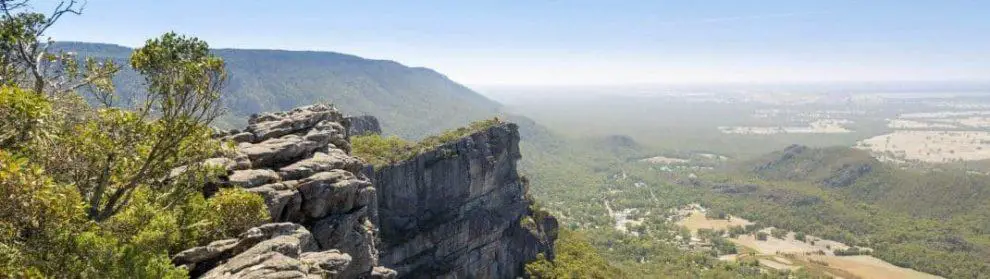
{"x":277,"y":250}
{"x":320,"y":203}
{"x":363,"y":125}
{"x":460,"y":211}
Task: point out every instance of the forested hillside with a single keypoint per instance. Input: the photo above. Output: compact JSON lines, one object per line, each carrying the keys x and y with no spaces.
{"x":932,"y":220}
{"x":411,"y":102}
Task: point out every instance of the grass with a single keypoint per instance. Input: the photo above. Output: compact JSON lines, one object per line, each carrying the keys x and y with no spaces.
{"x":380,"y":150}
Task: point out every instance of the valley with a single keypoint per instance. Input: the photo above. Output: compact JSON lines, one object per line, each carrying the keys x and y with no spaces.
{"x":863,"y":164}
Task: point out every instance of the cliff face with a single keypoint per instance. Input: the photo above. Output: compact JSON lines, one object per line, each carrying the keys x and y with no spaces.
{"x":363,"y":125}
{"x":455,"y":212}
{"x":460,"y":211}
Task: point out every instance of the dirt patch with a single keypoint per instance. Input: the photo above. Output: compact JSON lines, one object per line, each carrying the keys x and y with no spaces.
{"x":788,"y":245}
{"x":871,"y":267}
{"x":930,"y":146}
{"x":696,"y":220}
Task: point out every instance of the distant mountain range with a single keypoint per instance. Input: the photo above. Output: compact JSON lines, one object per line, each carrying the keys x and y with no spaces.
{"x":411,"y":102}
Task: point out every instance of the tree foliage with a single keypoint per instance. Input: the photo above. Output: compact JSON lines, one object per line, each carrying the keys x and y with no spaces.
{"x":26,"y":60}
{"x":115,"y":151}
{"x":575,"y":258}
{"x":108,"y":190}
{"x":21,"y":112}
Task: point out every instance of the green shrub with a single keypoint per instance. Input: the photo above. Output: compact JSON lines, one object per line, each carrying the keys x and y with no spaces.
{"x":104,"y":256}
{"x":575,"y":258}
{"x":144,"y":223}
{"x":736,"y":230}
{"x":456,"y":134}
{"x":381,"y":150}
{"x":852,"y":251}
{"x":778,"y":233}
{"x":762,"y":236}
{"x":378,"y":150}
{"x":723,"y":246}
{"x":45,"y":233}
{"x":235,"y":211}
{"x":20,"y":114}
{"x":716,"y":214}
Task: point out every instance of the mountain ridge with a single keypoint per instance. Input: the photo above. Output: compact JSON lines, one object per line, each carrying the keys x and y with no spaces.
{"x":411,"y":102}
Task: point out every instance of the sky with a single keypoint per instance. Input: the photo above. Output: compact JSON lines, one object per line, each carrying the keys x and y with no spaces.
{"x":573,"y":43}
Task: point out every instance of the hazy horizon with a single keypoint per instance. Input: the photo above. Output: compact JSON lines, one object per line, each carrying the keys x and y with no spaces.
{"x":579,"y":43}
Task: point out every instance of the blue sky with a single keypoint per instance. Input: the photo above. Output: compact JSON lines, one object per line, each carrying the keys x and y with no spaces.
{"x":541,"y":42}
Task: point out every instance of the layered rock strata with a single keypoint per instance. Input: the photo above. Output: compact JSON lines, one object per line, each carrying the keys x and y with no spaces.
{"x":320,"y":202}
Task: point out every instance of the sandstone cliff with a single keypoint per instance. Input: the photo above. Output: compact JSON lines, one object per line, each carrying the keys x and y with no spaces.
{"x":363,"y":125}
{"x":457,"y":212}
{"x":320,"y":203}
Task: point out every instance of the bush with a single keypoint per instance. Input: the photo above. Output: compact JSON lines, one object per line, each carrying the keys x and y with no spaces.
{"x":716,"y":214}
{"x":192,"y":222}
{"x":762,"y":236}
{"x":236,"y":211}
{"x":778,"y":233}
{"x":145,"y":224}
{"x":736,"y":230}
{"x":37,"y":217}
{"x":724,"y":246}
{"x":43,"y":231}
{"x":852,"y":251}
{"x":104,"y":256}
{"x":20,"y":114}
{"x":750,"y":228}
{"x":380,"y":150}
{"x":706,"y":233}
{"x":575,"y":258}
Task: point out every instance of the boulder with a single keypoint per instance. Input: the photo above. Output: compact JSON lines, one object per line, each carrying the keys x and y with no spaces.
{"x":279,"y":152}
{"x":241,"y":137}
{"x":380,"y":272}
{"x":331,"y":262}
{"x":332,"y":192}
{"x":278,"y":250}
{"x":330,"y":132}
{"x":253,"y":178}
{"x":283,"y":204}
{"x":285,"y":238}
{"x":320,"y":162}
{"x":351,"y":233}
{"x":272,"y":125}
